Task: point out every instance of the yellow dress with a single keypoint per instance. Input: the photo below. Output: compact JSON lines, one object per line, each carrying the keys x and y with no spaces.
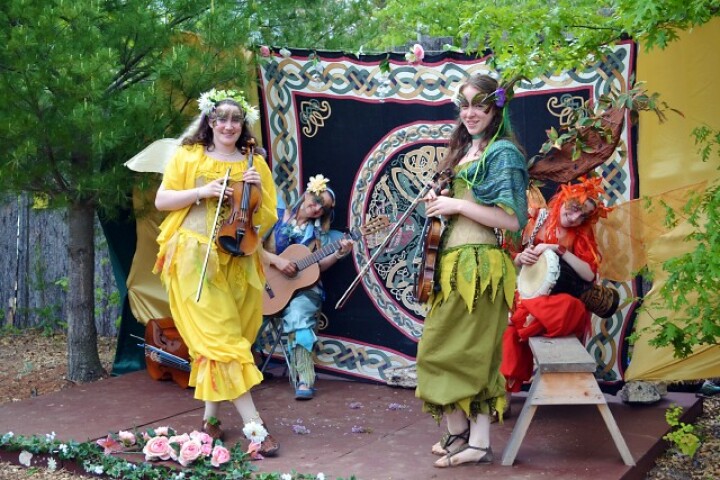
{"x":220,"y":329}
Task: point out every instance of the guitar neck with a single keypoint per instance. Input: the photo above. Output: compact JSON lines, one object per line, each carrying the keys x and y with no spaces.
{"x":318,"y":255}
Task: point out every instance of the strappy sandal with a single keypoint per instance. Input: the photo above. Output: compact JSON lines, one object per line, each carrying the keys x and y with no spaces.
{"x":448,"y":439}
{"x":269,"y":447}
{"x":485,"y":459}
{"x":213,"y":430}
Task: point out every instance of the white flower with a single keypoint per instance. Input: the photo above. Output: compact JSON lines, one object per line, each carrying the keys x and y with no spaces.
{"x":252,"y":115}
{"x":63,"y":448}
{"x":98,"y":470}
{"x":317,"y":184}
{"x":25,"y":458}
{"x":320,"y":476}
{"x":52,"y":464}
{"x":50,"y":436}
{"x":255,"y":432}
{"x":205,"y":104}
{"x":285,"y":476}
{"x":285,"y":52}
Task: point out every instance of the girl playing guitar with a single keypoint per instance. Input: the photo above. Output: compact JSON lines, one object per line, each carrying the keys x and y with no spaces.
{"x":305,"y":223}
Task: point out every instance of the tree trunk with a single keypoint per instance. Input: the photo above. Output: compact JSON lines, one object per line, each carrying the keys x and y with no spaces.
{"x":83,"y":359}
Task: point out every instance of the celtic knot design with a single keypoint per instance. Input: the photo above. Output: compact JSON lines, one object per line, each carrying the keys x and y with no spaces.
{"x":395,"y":169}
{"x":313,"y":114}
{"x":562,"y":106}
{"x":390,"y":180}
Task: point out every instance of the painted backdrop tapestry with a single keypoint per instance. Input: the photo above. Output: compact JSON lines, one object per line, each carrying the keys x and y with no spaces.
{"x":376,"y":126}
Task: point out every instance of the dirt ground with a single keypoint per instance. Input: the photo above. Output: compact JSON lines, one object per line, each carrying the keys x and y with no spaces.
{"x":34,"y":364}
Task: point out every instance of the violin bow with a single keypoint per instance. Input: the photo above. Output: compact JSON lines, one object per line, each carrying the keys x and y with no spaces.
{"x":212,"y":237}
{"x":381,"y":248}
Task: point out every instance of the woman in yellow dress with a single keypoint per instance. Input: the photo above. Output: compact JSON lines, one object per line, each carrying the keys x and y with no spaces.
{"x":219,"y":328}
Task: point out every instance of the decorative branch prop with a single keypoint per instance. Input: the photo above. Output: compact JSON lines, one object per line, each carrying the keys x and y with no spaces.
{"x":592,"y":135}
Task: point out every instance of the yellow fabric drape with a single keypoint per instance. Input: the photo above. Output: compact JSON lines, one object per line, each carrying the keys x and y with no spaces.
{"x":148,"y":298}
{"x":686,"y":74}
{"x":659,"y":364}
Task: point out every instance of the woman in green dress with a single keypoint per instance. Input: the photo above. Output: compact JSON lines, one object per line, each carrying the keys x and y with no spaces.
{"x":459,"y":355}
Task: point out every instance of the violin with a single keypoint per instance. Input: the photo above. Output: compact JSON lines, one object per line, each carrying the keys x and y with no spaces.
{"x":237,"y":235}
{"x":166,"y":355}
{"x":431,"y":236}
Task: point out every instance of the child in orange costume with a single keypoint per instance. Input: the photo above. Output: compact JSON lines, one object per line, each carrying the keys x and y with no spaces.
{"x":566,"y":228}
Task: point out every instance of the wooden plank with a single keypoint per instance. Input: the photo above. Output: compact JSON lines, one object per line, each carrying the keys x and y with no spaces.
{"x":567,"y":388}
{"x":561,"y":354}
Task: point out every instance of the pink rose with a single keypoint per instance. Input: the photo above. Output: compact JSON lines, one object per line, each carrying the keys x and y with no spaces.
{"x":220,"y":455}
{"x":127,"y":438}
{"x":264,"y":51}
{"x":202,"y":437}
{"x":179,"y":439}
{"x":419,"y":52}
{"x":189,"y":452}
{"x":157,"y":447}
{"x":162,"y":431}
{"x":254,"y":451}
{"x":207,"y":449}
{"x":416,"y":55}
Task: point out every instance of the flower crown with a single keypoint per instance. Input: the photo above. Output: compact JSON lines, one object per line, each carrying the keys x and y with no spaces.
{"x":317,"y":184}
{"x":498,"y":97}
{"x":209,"y":100}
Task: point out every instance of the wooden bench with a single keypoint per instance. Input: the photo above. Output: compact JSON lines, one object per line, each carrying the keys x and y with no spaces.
{"x":564,"y":376}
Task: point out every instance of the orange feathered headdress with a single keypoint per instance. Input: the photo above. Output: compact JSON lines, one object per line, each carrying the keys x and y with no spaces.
{"x":587,"y":188}
{"x":581,"y":238}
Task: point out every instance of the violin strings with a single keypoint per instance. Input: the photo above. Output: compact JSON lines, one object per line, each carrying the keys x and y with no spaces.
{"x":166,"y":358}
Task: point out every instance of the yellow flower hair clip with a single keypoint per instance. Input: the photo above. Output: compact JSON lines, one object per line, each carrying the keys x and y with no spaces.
{"x":317,"y":184}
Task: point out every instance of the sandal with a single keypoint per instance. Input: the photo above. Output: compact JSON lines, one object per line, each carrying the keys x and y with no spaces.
{"x":269,"y":447}
{"x":306,"y":393}
{"x":443,"y":446}
{"x":213,"y":430}
{"x":483,"y":460}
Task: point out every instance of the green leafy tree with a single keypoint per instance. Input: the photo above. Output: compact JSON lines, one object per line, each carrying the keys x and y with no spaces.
{"x":536,"y":37}
{"x":311,"y":24}
{"x":84,"y":86}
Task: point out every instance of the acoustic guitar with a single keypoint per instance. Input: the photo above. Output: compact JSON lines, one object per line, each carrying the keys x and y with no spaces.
{"x":430,"y":237}
{"x":279,"y":288}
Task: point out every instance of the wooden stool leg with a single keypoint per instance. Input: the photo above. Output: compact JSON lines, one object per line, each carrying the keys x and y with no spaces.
{"x":521,"y":427}
{"x":616,"y":435}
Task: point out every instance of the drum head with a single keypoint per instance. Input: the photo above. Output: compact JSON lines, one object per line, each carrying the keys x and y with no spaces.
{"x":539,"y":279}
